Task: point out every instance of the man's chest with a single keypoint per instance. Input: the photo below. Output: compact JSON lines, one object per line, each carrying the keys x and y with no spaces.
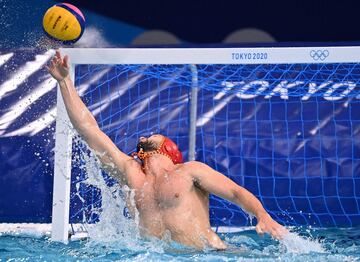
{"x":167,"y":191}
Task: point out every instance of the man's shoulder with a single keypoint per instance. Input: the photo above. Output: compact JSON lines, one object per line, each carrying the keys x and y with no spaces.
{"x":191,"y":165}
{"x":134,"y":174}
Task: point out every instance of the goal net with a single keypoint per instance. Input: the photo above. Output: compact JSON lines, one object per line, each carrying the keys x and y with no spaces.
{"x":282,"y":122}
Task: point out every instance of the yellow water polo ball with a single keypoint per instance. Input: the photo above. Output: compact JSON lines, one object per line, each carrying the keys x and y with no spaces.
{"x":64,"y":22}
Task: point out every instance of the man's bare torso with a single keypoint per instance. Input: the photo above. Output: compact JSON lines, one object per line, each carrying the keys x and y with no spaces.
{"x":170,"y":203}
{"x":166,"y":201}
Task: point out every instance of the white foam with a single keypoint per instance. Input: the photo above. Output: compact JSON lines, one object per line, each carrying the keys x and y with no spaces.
{"x":293,"y":243}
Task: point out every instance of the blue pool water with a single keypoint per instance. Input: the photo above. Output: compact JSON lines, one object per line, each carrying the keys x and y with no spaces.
{"x":302,"y":245}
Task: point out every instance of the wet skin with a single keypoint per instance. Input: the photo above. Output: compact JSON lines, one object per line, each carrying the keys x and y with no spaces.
{"x":172,"y":200}
{"x":170,"y":204}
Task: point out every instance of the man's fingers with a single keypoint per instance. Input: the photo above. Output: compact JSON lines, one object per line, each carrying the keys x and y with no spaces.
{"x":66,"y":61}
{"x":57,"y":54}
{"x":274,"y":232}
{"x":279,"y":232}
{"x":54,"y":61}
{"x":259,"y":230}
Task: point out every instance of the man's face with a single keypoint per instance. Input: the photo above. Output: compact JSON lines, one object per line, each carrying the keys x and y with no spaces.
{"x":150,"y":143}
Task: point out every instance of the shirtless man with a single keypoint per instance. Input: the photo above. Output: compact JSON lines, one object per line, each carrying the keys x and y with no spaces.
{"x":170,"y":196}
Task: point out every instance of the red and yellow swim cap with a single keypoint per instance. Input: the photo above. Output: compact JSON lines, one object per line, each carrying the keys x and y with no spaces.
{"x":167,"y":148}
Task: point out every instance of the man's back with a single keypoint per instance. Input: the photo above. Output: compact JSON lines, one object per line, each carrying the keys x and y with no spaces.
{"x":170,"y":204}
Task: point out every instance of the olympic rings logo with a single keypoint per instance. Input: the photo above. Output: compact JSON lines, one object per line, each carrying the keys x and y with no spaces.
{"x":319,"y":54}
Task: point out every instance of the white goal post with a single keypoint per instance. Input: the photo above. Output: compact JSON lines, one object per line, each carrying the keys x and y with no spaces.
{"x":191,"y":56}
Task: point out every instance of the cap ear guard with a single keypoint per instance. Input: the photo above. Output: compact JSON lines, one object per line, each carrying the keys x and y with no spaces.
{"x":171,"y":150}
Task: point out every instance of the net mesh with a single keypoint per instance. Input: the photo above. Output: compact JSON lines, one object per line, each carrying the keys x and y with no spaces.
{"x":289,"y":133}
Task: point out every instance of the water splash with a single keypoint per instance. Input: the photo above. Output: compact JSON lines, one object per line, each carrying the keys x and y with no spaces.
{"x":92,"y":37}
{"x":113,"y":231}
{"x":294,"y":243}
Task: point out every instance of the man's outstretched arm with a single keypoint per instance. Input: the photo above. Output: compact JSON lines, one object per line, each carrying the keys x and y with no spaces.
{"x":218,"y":184}
{"x":117,"y":163}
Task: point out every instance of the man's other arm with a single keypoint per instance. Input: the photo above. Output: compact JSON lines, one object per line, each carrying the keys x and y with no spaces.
{"x":216,"y":183}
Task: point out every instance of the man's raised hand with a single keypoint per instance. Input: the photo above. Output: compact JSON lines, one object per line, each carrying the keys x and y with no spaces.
{"x":59,"y":67}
